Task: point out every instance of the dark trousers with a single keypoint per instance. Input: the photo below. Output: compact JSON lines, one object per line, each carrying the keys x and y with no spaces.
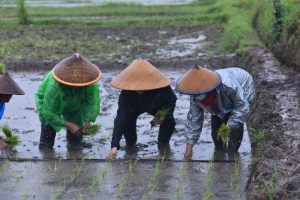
{"x":48,"y":134}
{"x":166,"y":128}
{"x":236,"y":134}
{"x":125,"y":123}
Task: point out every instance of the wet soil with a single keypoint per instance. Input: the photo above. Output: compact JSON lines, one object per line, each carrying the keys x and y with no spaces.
{"x":275,"y":164}
{"x":110,"y":47}
{"x":27,"y":172}
{"x":275,"y":170}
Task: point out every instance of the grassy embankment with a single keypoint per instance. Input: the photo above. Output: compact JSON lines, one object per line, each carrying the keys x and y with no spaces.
{"x":287,"y":46}
{"x":45,"y":39}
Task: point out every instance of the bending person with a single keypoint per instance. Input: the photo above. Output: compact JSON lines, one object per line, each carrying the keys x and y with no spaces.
{"x":226,"y":94}
{"x":68,"y":97}
{"x":144,"y":90}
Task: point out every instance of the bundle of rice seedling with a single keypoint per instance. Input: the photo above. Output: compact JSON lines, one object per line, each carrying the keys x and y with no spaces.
{"x":10,"y":138}
{"x":224,"y":133}
{"x":93,"y":129}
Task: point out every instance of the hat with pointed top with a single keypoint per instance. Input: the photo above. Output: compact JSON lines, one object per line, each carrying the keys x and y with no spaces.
{"x":198,"y":80}
{"x":7,"y":84}
{"x":76,"y":71}
{"x":140,"y":75}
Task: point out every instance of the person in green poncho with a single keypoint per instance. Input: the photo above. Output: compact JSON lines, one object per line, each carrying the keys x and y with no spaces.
{"x":68,"y":97}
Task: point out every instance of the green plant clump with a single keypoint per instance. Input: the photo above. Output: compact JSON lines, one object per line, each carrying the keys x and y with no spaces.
{"x":161,"y":113}
{"x":224,"y":133}
{"x":10,"y":138}
{"x":2,"y":68}
{"x":93,"y":129}
{"x":22,"y":13}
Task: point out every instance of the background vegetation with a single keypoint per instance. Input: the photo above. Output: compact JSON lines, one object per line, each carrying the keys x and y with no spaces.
{"x":237,"y":19}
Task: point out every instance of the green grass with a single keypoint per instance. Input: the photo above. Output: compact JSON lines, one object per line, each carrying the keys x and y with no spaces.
{"x":2,"y":68}
{"x":236,"y":18}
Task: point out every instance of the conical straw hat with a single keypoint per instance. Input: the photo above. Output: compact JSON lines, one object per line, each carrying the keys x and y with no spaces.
{"x":76,"y":71}
{"x":140,"y":75}
{"x":198,"y":80}
{"x":9,"y":86}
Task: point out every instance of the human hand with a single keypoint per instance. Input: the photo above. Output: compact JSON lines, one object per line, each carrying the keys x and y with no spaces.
{"x":188,"y":152}
{"x":86,"y":125}
{"x":112,"y":154}
{"x":3,"y":144}
{"x":74,"y":128}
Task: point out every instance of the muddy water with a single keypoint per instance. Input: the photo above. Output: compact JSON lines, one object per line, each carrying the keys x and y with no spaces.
{"x":21,"y":115}
{"x":51,"y":175}
{"x":73,"y":3}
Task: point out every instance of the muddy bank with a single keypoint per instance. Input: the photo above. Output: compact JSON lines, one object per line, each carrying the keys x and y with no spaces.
{"x":175,"y":64}
{"x":276,"y":158}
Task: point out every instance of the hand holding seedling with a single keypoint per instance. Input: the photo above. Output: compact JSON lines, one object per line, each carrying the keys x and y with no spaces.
{"x":112,"y":154}
{"x":91,"y":129}
{"x":159,"y":117}
{"x":86,"y":125}
{"x":10,"y":138}
{"x":75,"y":129}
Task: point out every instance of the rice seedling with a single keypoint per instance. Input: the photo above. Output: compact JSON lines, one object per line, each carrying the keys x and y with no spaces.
{"x":224,"y":134}
{"x":207,"y":185}
{"x":132,"y":167}
{"x":5,"y":166}
{"x":10,"y":138}
{"x":59,"y":192}
{"x":159,"y":116}
{"x":234,"y":179}
{"x":56,"y":166}
{"x":153,"y":180}
{"x":93,"y":130}
{"x":130,"y":171}
{"x":77,"y":170}
{"x":79,"y":196}
{"x":95,"y":183}
{"x":162,"y":113}
{"x":24,"y":196}
{"x":121,"y":188}
{"x":179,"y":187}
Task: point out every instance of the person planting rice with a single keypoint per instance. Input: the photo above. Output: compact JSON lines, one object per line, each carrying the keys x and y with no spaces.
{"x":68,"y":97}
{"x":226,"y":94}
{"x":144,"y":89}
{"x":8,"y":87}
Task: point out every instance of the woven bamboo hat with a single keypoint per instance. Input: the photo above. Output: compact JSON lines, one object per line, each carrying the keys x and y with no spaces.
{"x":140,"y":75}
{"x":76,"y":71}
{"x":198,"y":80}
{"x":9,"y":86}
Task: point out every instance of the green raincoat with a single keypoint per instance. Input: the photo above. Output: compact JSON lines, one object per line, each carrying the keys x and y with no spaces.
{"x":57,"y":103}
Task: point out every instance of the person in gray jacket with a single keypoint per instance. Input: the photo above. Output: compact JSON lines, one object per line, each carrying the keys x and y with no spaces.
{"x":226,"y":94}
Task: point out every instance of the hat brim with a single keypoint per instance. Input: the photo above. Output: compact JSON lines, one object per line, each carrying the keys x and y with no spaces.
{"x":9,"y":86}
{"x":199,"y":92}
{"x":77,"y":84}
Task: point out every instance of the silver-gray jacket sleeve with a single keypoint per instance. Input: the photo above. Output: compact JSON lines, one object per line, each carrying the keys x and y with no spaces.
{"x":194,"y":122}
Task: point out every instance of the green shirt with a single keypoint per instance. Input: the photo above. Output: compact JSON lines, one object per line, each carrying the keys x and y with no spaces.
{"x":56,"y":103}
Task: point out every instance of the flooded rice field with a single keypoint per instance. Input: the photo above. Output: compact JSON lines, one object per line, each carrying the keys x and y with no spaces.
{"x":140,"y":173}
{"x":22,"y":117}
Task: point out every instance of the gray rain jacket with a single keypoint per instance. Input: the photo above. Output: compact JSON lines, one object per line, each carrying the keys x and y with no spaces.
{"x":235,"y":94}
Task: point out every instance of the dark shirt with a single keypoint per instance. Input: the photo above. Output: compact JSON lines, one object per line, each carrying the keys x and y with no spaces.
{"x":132,"y":104}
